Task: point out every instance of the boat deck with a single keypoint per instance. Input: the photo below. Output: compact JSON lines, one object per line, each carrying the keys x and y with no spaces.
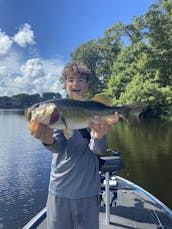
{"x":134,"y":210}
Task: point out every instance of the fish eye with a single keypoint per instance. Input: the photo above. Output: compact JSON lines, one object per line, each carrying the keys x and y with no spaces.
{"x":28,"y":114}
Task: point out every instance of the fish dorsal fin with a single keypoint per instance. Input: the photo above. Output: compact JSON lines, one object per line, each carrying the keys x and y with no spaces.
{"x":102,"y":98}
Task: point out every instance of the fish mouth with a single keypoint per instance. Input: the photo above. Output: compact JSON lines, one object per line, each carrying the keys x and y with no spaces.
{"x":54,"y":117}
{"x":28,"y":114}
{"x":47,"y":114}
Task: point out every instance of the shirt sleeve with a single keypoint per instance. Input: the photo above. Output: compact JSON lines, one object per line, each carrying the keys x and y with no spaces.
{"x":98,"y":146}
{"x":59,"y":142}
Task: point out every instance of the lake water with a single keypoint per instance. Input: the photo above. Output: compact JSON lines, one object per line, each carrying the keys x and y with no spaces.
{"x":145,"y":147}
{"x":24,"y":171}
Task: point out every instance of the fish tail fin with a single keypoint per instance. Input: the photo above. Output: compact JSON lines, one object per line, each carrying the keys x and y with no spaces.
{"x":132,"y":112}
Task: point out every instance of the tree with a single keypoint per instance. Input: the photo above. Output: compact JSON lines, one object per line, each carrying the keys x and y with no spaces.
{"x":158,"y":21}
{"x":143,"y":69}
{"x":109,"y":48}
{"x":88,"y":54}
{"x":26,"y":99}
{"x":50,"y":95}
{"x":133,"y":62}
{"x":147,"y":92}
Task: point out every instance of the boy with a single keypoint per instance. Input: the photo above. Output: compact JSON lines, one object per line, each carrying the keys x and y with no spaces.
{"x":73,"y":199}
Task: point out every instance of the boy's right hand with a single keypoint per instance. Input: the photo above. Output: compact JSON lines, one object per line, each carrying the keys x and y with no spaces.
{"x":42,"y":132}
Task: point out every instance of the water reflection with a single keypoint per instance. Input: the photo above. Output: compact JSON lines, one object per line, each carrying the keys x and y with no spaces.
{"x":146,"y":150}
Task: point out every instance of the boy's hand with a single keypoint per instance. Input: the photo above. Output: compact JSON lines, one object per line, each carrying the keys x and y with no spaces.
{"x":41,"y":132}
{"x":101,"y":127}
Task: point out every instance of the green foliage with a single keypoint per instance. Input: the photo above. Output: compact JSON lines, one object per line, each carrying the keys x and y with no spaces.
{"x":109,"y":47}
{"x":157,"y":100}
{"x":132,"y":62}
{"x":88,"y":55}
{"x":158,"y":21}
{"x":25,"y":99}
{"x":50,"y":95}
{"x":99,"y":57}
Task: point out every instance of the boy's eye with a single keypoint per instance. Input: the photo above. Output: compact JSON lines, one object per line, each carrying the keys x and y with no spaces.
{"x":71,"y":80}
{"x":81,"y":80}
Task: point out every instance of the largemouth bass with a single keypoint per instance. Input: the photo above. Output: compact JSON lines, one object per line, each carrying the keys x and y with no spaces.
{"x":73,"y":114}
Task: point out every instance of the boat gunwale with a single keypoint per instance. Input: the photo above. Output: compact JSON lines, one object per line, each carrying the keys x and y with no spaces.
{"x":36,"y":220}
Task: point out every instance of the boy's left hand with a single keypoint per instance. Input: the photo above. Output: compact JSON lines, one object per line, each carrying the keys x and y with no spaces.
{"x":101,"y":127}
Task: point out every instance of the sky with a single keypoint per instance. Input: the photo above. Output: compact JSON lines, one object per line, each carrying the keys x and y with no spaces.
{"x":38,"y":36}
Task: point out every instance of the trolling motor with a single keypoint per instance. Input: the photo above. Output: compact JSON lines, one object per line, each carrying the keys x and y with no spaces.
{"x":109,"y":166}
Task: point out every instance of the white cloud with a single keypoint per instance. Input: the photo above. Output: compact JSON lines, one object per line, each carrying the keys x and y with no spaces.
{"x":3,"y":70}
{"x":5,"y":43}
{"x":12,"y":62}
{"x":41,"y":75}
{"x":24,"y":36}
{"x":33,"y":69}
{"x":37,"y":76}
{"x":21,"y":75}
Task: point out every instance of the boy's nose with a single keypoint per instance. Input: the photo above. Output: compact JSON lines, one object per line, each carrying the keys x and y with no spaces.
{"x":75,"y":83}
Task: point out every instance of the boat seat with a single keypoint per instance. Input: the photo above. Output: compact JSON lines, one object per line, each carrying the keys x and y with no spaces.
{"x":111,"y":164}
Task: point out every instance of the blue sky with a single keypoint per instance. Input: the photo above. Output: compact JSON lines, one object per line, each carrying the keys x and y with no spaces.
{"x":37,"y":37}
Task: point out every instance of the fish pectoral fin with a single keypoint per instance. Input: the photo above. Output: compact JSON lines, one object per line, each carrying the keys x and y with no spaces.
{"x":64,"y":122}
{"x":68,"y":133}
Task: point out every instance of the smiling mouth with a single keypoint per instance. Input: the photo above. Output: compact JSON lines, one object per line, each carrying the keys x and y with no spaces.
{"x":76,"y":90}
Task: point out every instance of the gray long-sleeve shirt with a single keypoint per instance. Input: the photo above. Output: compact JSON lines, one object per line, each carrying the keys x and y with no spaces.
{"x":75,"y":165}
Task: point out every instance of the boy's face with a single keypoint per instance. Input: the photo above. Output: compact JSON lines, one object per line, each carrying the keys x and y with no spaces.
{"x":76,"y":86}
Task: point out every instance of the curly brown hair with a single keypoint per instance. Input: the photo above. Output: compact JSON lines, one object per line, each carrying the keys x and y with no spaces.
{"x":76,"y":68}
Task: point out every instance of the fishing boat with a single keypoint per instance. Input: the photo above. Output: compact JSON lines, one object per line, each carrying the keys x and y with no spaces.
{"x":123,"y":204}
